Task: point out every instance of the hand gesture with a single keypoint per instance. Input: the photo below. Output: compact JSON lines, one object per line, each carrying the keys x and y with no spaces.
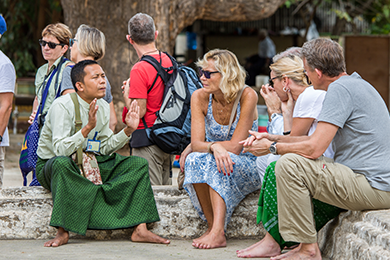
{"x":259,"y":147}
{"x":288,"y":106}
{"x":254,"y":136}
{"x":32,"y":117}
{"x":93,"y":108}
{"x":125,"y":90}
{"x":223,"y":160}
{"x":272,"y":100}
{"x":132,"y":116}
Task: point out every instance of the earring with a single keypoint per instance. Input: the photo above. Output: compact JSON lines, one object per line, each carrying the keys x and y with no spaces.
{"x":285,"y":89}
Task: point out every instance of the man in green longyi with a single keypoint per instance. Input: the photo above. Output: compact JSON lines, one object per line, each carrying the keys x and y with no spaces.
{"x":125,"y":199}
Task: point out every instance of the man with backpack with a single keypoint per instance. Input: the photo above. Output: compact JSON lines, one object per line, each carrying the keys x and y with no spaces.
{"x":148,"y":89}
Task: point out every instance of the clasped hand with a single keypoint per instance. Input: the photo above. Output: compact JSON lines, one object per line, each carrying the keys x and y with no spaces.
{"x":257,"y":144}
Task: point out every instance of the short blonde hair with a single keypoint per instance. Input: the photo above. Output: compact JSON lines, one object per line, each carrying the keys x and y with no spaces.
{"x":291,"y":67}
{"x":233,"y":74}
{"x":91,"y":42}
{"x":60,"y":31}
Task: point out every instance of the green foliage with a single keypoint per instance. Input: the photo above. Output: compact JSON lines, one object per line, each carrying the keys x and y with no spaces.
{"x":20,"y":41}
{"x":379,"y":17}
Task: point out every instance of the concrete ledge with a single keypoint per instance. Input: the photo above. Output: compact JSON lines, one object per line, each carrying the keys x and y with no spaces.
{"x":357,"y":235}
{"x":25,"y":214}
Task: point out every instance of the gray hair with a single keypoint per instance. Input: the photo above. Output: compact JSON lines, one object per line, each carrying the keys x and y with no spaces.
{"x":290,"y":52}
{"x":325,"y":55}
{"x":142,"y":29}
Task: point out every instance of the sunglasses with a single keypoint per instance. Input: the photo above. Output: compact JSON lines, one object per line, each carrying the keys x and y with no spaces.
{"x":72,"y":41}
{"x":52,"y":45}
{"x":206,"y":73}
{"x":271,"y":81}
{"x":307,"y":77}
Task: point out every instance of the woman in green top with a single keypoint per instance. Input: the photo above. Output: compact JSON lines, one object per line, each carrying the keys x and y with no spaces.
{"x":54,"y":45}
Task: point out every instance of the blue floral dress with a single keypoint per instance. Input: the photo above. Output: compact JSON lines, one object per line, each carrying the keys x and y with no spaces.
{"x":202,"y":168}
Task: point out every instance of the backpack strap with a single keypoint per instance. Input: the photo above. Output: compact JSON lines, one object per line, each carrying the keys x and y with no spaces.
{"x":57,"y":89}
{"x":78,"y":124}
{"x":161,"y":71}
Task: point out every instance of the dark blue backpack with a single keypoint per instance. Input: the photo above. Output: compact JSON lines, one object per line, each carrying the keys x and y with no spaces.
{"x":171,"y":131}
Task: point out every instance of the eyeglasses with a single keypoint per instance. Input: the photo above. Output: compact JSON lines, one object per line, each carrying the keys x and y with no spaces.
{"x":206,"y":73}
{"x":72,"y":41}
{"x":52,"y":45}
{"x":307,"y":77}
{"x":271,"y":82}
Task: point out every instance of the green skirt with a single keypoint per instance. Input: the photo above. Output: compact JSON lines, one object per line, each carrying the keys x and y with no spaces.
{"x":125,"y":198}
{"x":267,"y":212}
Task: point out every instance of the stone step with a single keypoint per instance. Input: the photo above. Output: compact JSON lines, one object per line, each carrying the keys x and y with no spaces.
{"x":357,"y":235}
{"x":25,"y":214}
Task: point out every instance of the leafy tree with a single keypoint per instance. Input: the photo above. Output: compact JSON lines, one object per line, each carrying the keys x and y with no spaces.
{"x":25,"y":22}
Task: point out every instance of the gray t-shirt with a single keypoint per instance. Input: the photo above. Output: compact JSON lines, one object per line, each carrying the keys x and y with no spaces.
{"x":67,"y":84}
{"x":362,"y":141}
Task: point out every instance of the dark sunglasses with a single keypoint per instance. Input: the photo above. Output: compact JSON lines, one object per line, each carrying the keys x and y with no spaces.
{"x":52,"y":45}
{"x":271,"y":81}
{"x":206,"y":73}
{"x":72,"y":41}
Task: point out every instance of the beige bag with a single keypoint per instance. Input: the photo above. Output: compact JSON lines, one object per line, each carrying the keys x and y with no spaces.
{"x":86,"y":161}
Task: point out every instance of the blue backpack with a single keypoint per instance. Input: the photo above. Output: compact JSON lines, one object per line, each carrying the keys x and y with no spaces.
{"x":171,"y":131}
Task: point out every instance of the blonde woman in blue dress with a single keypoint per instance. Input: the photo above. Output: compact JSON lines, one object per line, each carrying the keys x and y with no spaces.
{"x":217,"y":174}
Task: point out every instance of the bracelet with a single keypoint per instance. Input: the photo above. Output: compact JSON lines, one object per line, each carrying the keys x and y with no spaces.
{"x":209,"y":147}
{"x":287,"y":133}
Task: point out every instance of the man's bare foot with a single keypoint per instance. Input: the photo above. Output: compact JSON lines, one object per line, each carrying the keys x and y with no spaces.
{"x":61,"y":238}
{"x":196,"y":240}
{"x":249,"y":248}
{"x":302,"y":252}
{"x":142,"y":234}
{"x":212,"y":240}
{"x":266,"y":247}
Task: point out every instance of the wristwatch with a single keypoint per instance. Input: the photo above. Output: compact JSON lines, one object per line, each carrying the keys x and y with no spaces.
{"x":273,"y":149}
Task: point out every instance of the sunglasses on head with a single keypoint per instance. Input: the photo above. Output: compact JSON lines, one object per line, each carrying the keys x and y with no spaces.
{"x":271,"y":81}
{"x":72,"y":41}
{"x":51,"y":45}
{"x":206,"y":73}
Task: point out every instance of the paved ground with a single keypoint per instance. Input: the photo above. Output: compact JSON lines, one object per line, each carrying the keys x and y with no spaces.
{"x":89,"y":249}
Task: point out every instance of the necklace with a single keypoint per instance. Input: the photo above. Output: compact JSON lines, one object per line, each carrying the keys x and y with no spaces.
{"x":220,"y":113}
{"x":149,"y":52}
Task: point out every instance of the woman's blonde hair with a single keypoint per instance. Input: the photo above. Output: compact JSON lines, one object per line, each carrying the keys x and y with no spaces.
{"x":291,"y":67}
{"x":91,"y":42}
{"x":60,"y":31}
{"x":233,"y":74}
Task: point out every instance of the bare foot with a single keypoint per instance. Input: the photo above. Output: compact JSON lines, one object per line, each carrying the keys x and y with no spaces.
{"x":61,"y":238}
{"x":302,"y":252}
{"x":142,"y":234}
{"x":249,"y":248}
{"x":212,"y":240}
{"x":266,"y":247}
{"x":196,"y":240}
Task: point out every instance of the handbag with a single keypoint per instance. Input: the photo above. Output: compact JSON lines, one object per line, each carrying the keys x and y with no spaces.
{"x":28,"y":154}
{"x":181,"y":176}
{"x":86,"y":161}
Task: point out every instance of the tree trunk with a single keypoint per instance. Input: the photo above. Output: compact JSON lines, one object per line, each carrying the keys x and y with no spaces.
{"x":170,"y":16}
